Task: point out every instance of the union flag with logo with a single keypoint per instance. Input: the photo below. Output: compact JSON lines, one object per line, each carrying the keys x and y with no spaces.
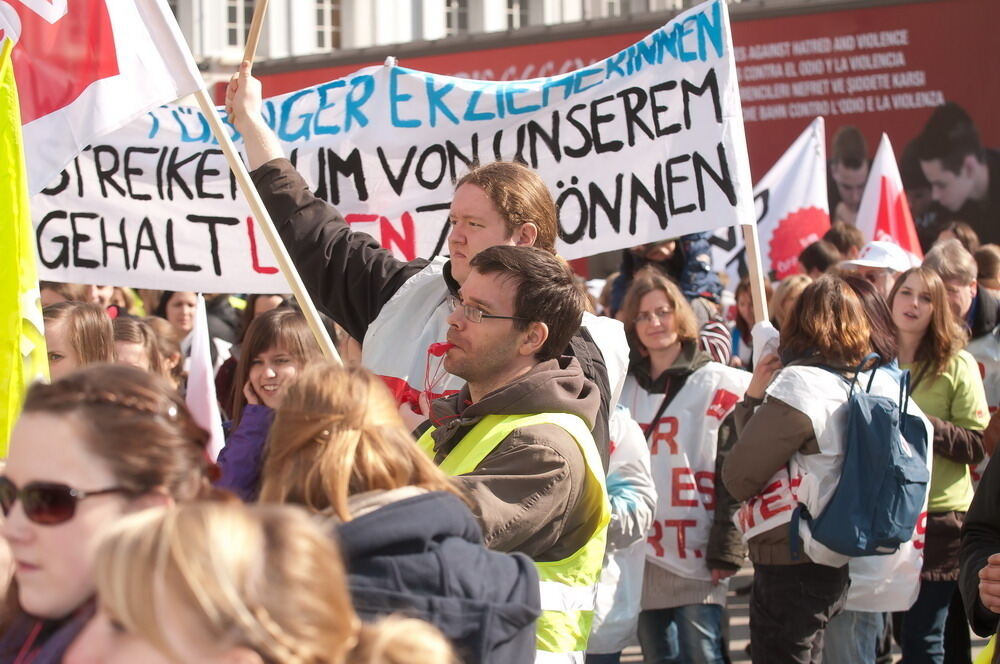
{"x":85,"y":68}
{"x":792,"y":210}
{"x":884,"y":213}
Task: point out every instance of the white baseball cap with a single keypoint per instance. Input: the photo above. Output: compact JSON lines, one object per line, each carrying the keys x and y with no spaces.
{"x":885,"y":255}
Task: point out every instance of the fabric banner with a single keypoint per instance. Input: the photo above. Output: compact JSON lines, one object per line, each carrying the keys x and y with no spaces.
{"x":644,"y":145}
{"x":88,"y":67}
{"x":22,"y":338}
{"x":792,"y":210}
{"x":884,"y":213}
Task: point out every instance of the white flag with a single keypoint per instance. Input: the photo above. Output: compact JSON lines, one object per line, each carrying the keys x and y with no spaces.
{"x":86,"y":68}
{"x":792,"y":209}
{"x":201,"y":398}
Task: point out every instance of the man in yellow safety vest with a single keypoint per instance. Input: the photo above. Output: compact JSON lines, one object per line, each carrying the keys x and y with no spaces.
{"x":517,"y":435}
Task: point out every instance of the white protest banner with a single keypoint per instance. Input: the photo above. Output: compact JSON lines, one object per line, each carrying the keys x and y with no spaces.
{"x":792,"y":209}
{"x":645,"y":145}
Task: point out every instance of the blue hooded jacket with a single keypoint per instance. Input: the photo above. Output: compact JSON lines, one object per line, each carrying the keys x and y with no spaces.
{"x":424,"y":557}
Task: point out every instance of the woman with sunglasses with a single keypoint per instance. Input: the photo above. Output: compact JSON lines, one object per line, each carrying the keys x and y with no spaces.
{"x":99,"y":443}
{"x":947,"y":386}
{"x":681,"y":399}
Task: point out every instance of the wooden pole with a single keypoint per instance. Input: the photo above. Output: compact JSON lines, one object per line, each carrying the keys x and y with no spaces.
{"x":256,"y":26}
{"x":260,"y":213}
{"x":756,"y":272}
{"x":267,"y":226}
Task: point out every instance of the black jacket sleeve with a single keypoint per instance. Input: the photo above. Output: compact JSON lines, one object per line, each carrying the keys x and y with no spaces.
{"x":726,"y":549}
{"x":583,"y":347}
{"x":349,"y":276}
{"x":980,"y":540}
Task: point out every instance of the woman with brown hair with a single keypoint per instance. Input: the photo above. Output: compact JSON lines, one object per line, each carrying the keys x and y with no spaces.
{"x":792,"y":428}
{"x":224,"y":583}
{"x":947,"y":386}
{"x":681,"y":398}
{"x":411,"y":543}
{"x":169,"y":347}
{"x":86,"y":450}
{"x":277,"y":346}
{"x":76,"y":334}
{"x":136,"y":345}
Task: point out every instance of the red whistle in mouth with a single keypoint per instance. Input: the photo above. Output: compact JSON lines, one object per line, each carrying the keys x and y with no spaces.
{"x":439,"y":349}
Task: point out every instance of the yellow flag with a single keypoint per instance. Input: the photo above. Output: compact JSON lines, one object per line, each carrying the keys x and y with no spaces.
{"x":22,"y":342}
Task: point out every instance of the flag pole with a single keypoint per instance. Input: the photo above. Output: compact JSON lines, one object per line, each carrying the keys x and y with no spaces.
{"x":266,"y":226}
{"x":260,"y":213}
{"x":256,"y":27}
{"x":755,"y":269}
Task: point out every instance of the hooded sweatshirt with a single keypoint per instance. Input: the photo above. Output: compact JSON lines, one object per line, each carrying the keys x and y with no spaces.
{"x":528,"y":492}
{"x":421,"y":554}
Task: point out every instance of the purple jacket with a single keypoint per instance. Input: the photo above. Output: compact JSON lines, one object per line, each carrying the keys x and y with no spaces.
{"x":242,"y":458}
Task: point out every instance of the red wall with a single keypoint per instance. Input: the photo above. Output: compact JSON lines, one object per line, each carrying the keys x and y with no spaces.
{"x":951,"y":44}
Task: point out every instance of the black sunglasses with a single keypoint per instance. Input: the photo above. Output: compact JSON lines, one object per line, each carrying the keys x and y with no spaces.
{"x":46,"y":503}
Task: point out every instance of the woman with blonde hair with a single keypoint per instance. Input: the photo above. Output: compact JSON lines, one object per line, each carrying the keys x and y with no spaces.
{"x":947,"y":386}
{"x":411,"y":543}
{"x":136,"y":345}
{"x":76,"y":334}
{"x":788,"y":291}
{"x":224,"y":583}
{"x":88,"y":449}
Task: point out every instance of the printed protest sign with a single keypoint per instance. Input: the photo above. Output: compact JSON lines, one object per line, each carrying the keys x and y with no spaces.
{"x":644,"y":145}
{"x":791,"y":201}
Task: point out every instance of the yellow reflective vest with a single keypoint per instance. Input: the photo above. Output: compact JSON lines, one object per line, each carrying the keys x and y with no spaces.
{"x":568,"y":586}
{"x":986,"y":656}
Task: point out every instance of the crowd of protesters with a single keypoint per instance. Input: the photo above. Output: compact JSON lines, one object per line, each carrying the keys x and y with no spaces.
{"x":506,"y":469}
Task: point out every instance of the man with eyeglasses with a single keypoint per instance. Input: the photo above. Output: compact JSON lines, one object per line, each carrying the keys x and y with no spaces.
{"x":398,"y":309}
{"x":517,"y":435}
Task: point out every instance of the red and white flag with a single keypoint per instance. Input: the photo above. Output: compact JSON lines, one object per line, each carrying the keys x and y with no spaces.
{"x":792,"y":209}
{"x":200,"y":397}
{"x":884,"y":213}
{"x":85,"y":68}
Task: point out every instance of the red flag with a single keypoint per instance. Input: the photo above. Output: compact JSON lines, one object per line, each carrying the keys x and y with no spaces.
{"x":88,"y":67}
{"x":884,"y":213}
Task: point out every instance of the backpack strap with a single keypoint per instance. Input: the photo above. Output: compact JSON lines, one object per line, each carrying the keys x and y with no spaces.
{"x":904,"y":399}
{"x":861,"y":367}
{"x":800,"y":512}
{"x":674,"y":385}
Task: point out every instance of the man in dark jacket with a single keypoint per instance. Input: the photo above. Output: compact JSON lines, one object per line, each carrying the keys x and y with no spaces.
{"x":979,"y":556}
{"x":398,"y":309}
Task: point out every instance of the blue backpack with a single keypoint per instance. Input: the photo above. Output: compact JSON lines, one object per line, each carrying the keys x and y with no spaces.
{"x":881,"y":492}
